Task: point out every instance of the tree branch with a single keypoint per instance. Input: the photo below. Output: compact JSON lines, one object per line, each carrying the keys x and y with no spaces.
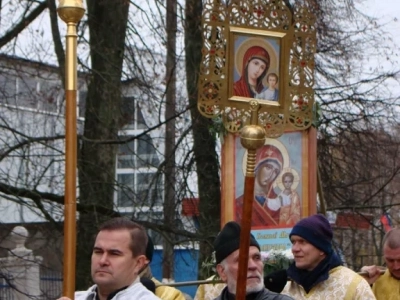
{"x":58,"y":46}
{"x":18,"y":28}
{"x":38,"y":197}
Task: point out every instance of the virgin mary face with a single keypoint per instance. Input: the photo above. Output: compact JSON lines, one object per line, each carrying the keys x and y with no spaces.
{"x":255,"y":69}
{"x":267,"y":174}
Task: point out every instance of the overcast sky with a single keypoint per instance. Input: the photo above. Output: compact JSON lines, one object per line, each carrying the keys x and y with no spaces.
{"x":35,"y":42}
{"x":387,"y":12}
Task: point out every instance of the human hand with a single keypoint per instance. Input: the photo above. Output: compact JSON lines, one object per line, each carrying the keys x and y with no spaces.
{"x":371,"y":273}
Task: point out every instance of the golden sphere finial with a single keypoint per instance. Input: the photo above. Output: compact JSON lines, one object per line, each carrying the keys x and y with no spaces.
{"x":71,"y":11}
{"x":252,"y":137}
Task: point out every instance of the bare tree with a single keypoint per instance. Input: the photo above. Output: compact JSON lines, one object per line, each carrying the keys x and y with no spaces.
{"x":170,"y":134}
{"x":122,"y":60}
{"x":356,"y":118}
{"x":206,"y":158}
{"x":106,"y":107}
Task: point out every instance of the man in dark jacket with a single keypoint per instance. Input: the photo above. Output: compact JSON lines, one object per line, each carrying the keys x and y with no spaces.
{"x":226,"y":247}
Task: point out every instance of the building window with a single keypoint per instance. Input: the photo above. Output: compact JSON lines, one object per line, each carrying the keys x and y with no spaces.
{"x":140,"y":185}
{"x":8,"y":89}
{"x":155,"y":217}
{"x":126,"y":188}
{"x":126,"y":158}
{"x":147,"y":155}
{"x":149,"y":188}
{"x":50,"y":93}
{"x":30,"y":92}
{"x":138,"y":153}
{"x":139,"y":189}
{"x":131,"y":115}
{"x":27,"y":92}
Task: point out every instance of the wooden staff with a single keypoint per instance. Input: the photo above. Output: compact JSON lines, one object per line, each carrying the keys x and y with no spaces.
{"x":71,"y":12}
{"x":366,"y":274}
{"x":252,"y":137}
{"x":216,"y":281}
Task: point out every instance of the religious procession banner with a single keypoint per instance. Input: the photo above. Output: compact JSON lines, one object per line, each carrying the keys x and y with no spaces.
{"x":284,"y":189}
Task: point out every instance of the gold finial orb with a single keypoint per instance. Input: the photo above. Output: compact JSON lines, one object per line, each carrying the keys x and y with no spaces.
{"x":252,"y":137}
{"x":71,"y":11}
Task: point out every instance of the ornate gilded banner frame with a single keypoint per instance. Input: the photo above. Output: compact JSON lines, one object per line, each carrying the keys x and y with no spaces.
{"x":262,"y":19}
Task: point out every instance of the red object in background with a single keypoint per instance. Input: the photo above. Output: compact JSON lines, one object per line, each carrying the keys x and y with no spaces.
{"x":386,"y":222}
{"x":190,"y":207}
{"x":353,"y":220}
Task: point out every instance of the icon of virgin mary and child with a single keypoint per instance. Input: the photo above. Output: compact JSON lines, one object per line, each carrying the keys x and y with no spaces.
{"x":256,"y":63}
{"x":270,"y":209}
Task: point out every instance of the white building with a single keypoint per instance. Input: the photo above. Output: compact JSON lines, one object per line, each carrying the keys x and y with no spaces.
{"x":32,"y":146}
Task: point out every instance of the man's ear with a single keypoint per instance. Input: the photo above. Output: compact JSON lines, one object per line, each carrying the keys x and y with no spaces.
{"x":221,"y":272}
{"x":141,"y":263}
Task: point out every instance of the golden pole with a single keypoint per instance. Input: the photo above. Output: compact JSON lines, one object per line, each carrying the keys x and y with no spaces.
{"x":252,"y":137}
{"x":71,"y":12}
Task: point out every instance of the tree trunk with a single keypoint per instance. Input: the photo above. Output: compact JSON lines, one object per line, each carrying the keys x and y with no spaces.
{"x":170,"y":178}
{"x":204,"y":142}
{"x":107,"y":21}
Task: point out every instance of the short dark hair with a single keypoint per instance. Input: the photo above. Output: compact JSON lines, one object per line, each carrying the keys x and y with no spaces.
{"x":288,"y":174}
{"x":274,"y":75}
{"x":392,"y":238}
{"x":138,"y":233}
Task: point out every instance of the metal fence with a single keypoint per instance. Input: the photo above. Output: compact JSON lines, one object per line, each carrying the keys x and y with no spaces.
{"x":6,"y":289}
{"x":50,"y":284}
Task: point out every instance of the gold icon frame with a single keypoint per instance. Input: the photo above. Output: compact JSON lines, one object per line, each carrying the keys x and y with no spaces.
{"x":221,"y":23}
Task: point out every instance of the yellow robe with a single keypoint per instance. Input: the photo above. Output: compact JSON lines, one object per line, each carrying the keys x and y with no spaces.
{"x":167,"y":292}
{"x":342,"y":284}
{"x":387,"y":287}
{"x":209,"y":291}
{"x":290,"y":214}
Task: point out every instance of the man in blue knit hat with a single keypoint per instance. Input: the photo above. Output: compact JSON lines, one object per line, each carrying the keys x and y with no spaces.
{"x":317,"y":272}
